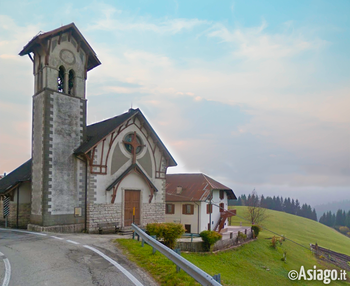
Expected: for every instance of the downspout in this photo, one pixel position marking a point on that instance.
(86, 190)
(198, 218)
(211, 209)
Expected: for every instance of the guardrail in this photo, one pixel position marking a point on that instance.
(198, 274)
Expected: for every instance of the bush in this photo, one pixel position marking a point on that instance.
(241, 236)
(168, 232)
(274, 242)
(344, 229)
(209, 238)
(256, 229)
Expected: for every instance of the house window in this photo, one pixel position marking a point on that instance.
(170, 209)
(60, 79)
(222, 194)
(188, 209)
(222, 207)
(209, 208)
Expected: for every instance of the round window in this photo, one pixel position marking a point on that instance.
(130, 143)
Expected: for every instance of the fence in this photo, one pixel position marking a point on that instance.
(333, 257)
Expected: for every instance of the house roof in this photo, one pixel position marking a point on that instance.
(195, 187)
(96, 132)
(21, 174)
(34, 43)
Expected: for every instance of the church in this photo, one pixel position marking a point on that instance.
(80, 176)
(111, 173)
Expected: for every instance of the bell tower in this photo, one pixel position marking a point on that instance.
(61, 59)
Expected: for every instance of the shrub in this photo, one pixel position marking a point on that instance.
(274, 241)
(344, 229)
(209, 238)
(241, 236)
(256, 229)
(168, 232)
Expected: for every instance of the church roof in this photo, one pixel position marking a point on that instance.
(34, 43)
(195, 187)
(21, 174)
(96, 132)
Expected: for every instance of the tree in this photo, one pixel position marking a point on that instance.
(256, 213)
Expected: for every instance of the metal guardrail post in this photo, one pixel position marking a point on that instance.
(198, 274)
(217, 277)
(178, 251)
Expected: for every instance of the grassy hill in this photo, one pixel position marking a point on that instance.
(255, 263)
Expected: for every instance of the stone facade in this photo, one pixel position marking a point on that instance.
(103, 213)
(153, 213)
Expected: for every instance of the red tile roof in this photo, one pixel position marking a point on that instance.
(195, 187)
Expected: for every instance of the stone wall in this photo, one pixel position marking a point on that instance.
(102, 213)
(226, 242)
(154, 212)
(23, 215)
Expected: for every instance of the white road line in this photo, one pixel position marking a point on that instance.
(1, 254)
(121, 268)
(24, 231)
(60, 238)
(71, 241)
(7, 272)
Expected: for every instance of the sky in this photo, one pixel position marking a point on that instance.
(255, 94)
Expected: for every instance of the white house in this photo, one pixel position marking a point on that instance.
(197, 201)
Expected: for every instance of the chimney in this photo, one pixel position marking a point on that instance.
(178, 190)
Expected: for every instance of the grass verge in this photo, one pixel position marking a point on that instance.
(255, 263)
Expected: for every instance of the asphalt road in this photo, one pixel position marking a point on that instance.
(65, 259)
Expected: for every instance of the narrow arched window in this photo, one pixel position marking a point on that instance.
(39, 78)
(71, 79)
(60, 79)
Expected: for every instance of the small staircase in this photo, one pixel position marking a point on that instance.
(223, 216)
(127, 230)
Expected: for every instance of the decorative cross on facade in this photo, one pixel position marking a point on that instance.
(134, 145)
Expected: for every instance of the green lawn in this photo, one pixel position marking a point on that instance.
(255, 263)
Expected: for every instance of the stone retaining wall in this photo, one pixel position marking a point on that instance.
(226, 242)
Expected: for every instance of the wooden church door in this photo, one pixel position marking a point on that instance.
(132, 200)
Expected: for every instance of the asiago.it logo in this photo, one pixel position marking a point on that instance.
(324, 275)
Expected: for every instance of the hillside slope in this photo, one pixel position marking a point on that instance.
(257, 263)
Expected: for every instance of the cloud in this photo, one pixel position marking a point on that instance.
(123, 22)
(256, 44)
